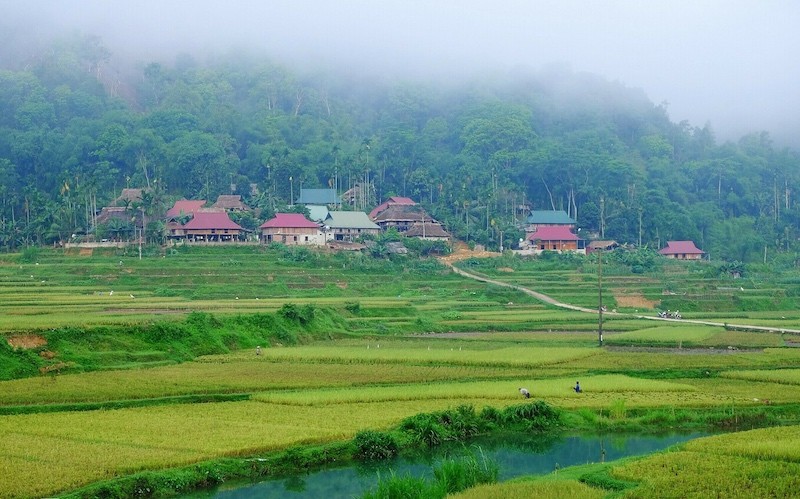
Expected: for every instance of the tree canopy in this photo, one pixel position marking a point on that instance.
(74, 131)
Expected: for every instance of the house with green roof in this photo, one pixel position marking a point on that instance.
(548, 218)
(349, 225)
(324, 197)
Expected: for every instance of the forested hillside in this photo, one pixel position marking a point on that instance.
(77, 125)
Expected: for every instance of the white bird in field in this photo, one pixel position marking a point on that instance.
(111, 293)
(133, 296)
(237, 297)
(525, 393)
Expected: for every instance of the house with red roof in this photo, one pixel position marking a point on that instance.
(292, 229)
(682, 250)
(181, 212)
(212, 227)
(185, 207)
(553, 238)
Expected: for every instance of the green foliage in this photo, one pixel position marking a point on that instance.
(374, 445)
(301, 314)
(537, 416)
(603, 479)
(17, 362)
(455, 475)
(29, 255)
(431, 430)
(640, 260)
(405, 487)
(450, 476)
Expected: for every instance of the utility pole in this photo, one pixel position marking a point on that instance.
(600, 296)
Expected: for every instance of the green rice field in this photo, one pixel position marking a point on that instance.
(163, 373)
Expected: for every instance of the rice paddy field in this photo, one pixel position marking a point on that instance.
(413, 338)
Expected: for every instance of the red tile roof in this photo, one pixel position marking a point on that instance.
(553, 233)
(389, 202)
(185, 206)
(211, 220)
(680, 248)
(293, 220)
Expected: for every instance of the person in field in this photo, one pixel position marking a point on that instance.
(525, 393)
(577, 387)
(258, 350)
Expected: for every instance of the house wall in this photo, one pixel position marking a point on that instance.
(556, 245)
(685, 256)
(212, 235)
(339, 234)
(293, 236)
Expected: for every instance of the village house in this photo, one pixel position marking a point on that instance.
(182, 211)
(230, 202)
(552, 238)
(602, 246)
(349, 226)
(212, 227)
(401, 217)
(682, 250)
(319, 197)
(392, 201)
(121, 213)
(548, 218)
(428, 230)
(292, 229)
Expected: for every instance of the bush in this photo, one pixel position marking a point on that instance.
(535, 416)
(375, 446)
(302, 315)
(29, 255)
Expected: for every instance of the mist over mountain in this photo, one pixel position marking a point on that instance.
(727, 64)
(269, 100)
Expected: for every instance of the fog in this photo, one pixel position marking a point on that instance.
(729, 63)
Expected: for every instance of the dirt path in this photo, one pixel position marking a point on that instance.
(552, 301)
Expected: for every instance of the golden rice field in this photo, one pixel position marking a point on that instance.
(781, 376)
(757, 463)
(315, 394)
(243, 375)
(668, 334)
(516, 356)
(480, 391)
(518, 489)
(328, 391)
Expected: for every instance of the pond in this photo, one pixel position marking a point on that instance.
(515, 454)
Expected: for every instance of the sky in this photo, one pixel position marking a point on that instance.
(732, 63)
